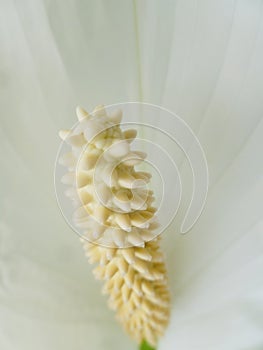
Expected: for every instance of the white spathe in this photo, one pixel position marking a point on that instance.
(200, 59)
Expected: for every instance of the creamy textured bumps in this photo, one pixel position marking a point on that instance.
(116, 218)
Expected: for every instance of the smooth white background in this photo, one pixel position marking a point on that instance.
(200, 59)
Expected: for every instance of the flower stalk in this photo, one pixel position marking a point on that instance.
(145, 346)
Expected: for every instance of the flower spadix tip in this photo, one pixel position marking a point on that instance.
(81, 113)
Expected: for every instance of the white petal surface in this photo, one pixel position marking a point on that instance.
(200, 59)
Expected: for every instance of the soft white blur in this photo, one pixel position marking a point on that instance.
(200, 59)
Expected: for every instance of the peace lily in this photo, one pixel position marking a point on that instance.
(116, 211)
(201, 60)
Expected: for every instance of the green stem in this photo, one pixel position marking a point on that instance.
(145, 346)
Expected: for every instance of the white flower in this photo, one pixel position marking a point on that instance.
(202, 60)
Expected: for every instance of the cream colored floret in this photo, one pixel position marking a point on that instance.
(114, 210)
